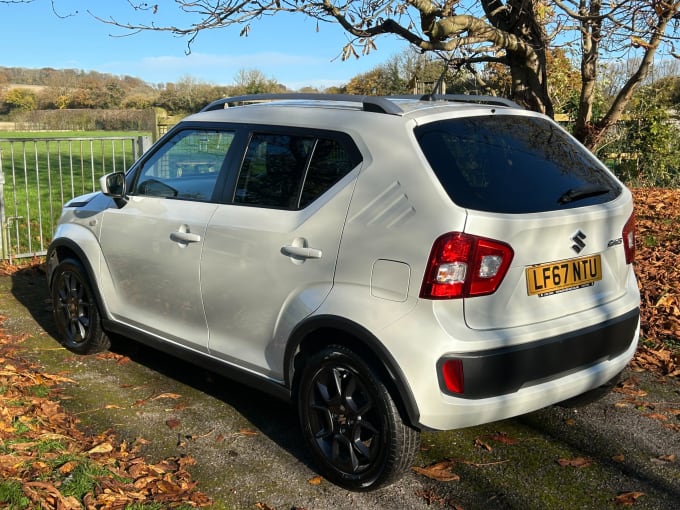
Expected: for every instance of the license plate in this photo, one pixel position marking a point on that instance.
(555, 277)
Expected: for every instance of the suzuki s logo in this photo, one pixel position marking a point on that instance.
(578, 238)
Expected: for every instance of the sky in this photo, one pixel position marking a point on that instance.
(287, 48)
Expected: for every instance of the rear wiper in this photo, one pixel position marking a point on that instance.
(584, 192)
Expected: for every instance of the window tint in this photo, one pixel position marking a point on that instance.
(330, 163)
(513, 164)
(290, 171)
(186, 166)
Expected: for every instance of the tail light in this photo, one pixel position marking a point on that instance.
(629, 239)
(462, 265)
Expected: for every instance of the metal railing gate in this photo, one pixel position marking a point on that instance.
(39, 175)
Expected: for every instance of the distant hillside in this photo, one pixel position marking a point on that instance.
(49, 77)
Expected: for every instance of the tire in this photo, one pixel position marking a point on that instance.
(75, 310)
(351, 423)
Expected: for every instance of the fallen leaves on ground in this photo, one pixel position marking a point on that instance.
(577, 462)
(628, 498)
(657, 216)
(441, 471)
(47, 458)
(664, 412)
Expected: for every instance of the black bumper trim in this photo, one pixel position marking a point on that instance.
(507, 369)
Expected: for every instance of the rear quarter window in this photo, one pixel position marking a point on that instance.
(513, 164)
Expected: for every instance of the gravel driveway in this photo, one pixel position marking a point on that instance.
(624, 449)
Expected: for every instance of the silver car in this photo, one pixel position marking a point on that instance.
(389, 264)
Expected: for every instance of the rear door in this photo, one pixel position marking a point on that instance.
(526, 182)
(269, 257)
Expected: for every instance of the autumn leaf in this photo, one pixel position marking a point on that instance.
(483, 445)
(67, 467)
(667, 458)
(166, 395)
(578, 462)
(628, 498)
(316, 480)
(172, 423)
(440, 471)
(656, 416)
(504, 438)
(100, 448)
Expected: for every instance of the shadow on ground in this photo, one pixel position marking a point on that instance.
(519, 469)
(274, 418)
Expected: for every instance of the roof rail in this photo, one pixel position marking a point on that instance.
(378, 104)
(464, 98)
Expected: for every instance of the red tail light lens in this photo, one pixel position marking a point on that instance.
(462, 265)
(629, 239)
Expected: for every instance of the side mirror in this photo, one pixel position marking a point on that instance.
(113, 185)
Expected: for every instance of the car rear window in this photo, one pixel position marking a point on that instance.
(513, 164)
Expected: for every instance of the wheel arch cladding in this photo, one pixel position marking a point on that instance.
(319, 332)
(63, 249)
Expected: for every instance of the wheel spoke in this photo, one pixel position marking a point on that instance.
(342, 417)
(343, 454)
(72, 307)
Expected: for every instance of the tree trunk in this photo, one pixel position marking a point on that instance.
(527, 70)
(594, 135)
(590, 40)
(529, 84)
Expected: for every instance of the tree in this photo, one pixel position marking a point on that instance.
(381, 81)
(253, 81)
(20, 99)
(643, 25)
(646, 145)
(411, 72)
(516, 34)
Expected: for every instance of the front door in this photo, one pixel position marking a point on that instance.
(152, 245)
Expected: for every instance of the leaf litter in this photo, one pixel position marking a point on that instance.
(43, 449)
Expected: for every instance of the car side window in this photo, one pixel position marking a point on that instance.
(330, 162)
(186, 166)
(290, 171)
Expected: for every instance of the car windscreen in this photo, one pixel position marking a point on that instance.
(513, 164)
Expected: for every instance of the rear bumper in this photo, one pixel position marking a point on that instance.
(506, 370)
(450, 412)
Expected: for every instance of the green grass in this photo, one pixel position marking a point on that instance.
(12, 495)
(42, 171)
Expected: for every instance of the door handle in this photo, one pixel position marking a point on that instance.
(185, 237)
(301, 252)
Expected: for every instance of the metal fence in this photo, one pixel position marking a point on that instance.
(39, 175)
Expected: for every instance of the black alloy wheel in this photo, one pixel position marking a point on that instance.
(351, 423)
(75, 310)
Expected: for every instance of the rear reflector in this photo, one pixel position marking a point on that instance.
(452, 375)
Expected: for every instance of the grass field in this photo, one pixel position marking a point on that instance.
(43, 170)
